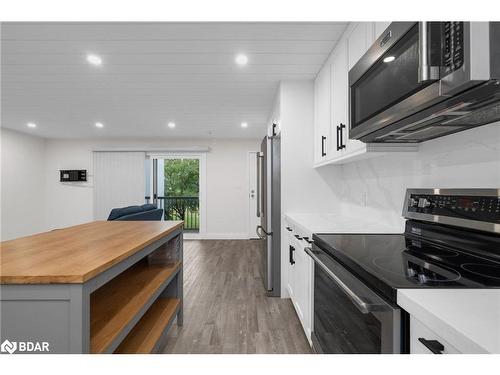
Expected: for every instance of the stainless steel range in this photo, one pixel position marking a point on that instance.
(451, 240)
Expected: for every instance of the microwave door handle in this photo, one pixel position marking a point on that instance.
(426, 72)
(362, 306)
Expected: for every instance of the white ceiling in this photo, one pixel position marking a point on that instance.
(153, 73)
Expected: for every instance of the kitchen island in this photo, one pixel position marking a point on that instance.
(99, 287)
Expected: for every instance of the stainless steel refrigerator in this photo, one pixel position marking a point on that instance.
(269, 211)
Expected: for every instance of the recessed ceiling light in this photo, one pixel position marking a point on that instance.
(31, 125)
(99, 125)
(389, 59)
(94, 59)
(241, 59)
(171, 125)
(244, 125)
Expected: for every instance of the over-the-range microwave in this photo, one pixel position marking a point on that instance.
(423, 80)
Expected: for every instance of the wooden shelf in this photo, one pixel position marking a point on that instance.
(146, 334)
(115, 306)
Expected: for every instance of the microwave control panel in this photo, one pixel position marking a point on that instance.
(480, 208)
(453, 46)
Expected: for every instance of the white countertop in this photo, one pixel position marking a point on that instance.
(467, 318)
(334, 223)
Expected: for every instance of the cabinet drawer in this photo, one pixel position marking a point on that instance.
(419, 330)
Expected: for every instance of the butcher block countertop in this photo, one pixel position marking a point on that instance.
(76, 254)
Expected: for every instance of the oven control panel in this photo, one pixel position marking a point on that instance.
(463, 206)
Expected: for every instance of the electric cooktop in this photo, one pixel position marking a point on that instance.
(389, 262)
(451, 240)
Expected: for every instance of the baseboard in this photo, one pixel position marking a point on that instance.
(216, 236)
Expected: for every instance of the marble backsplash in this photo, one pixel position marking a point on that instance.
(376, 187)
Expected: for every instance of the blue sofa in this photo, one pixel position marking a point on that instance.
(146, 212)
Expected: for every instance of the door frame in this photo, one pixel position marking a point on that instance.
(202, 157)
(250, 159)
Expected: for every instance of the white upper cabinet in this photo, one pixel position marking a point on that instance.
(359, 40)
(340, 93)
(322, 116)
(340, 104)
(379, 28)
(331, 100)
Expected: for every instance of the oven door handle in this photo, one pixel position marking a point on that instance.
(362, 305)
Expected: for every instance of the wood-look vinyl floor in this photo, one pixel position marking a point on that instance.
(225, 306)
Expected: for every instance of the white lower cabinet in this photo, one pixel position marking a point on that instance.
(423, 340)
(290, 245)
(300, 280)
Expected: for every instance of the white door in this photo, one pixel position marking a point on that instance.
(253, 220)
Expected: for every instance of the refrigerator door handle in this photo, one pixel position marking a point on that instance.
(262, 236)
(259, 183)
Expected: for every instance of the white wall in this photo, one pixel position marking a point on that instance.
(376, 187)
(303, 189)
(227, 181)
(22, 184)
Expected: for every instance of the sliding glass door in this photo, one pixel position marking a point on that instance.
(176, 184)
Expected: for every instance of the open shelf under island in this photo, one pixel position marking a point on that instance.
(100, 287)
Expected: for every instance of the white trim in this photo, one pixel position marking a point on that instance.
(152, 150)
(216, 236)
(175, 155)
(251, 232)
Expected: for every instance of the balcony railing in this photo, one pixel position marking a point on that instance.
(181, 208)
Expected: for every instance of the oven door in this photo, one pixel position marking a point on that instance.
(349, 318)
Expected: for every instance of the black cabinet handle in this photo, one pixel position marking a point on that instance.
(308, 240)
(289, 229)
(323, 139)
(341, 127)
(298, 237)
(291, 250)
(274, 129)
(433, 345)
